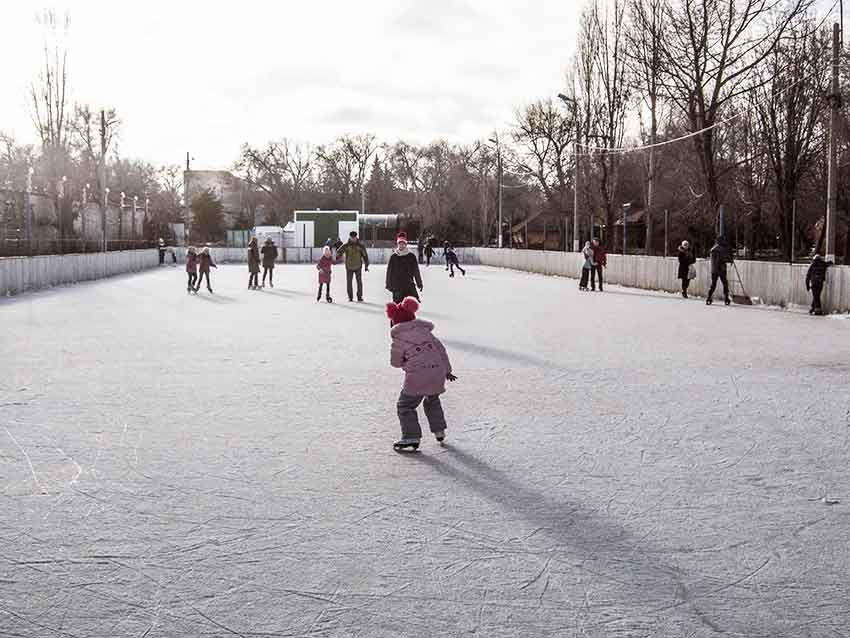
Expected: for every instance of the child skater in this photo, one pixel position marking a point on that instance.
(205, 260)
(253, 265)
(192, 268)
(426, 368)
(324, 266)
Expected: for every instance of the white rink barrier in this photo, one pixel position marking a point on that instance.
(770, 283)
(20, 274)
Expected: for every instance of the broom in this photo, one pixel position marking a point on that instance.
(744, 298)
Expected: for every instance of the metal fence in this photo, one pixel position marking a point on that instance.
(23, 248)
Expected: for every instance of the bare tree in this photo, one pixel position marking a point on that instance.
(344, 164)
(543, 137)
(49, 93)
(645, 41)
(789, 104)
(283, 170)
(604, 95)
(711, 55)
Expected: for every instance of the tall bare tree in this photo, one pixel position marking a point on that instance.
(283, 170)
(645, 37)
(711, 56)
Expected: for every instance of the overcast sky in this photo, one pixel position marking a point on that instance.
(199, 77)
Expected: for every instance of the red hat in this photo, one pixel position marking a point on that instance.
(402, 236)
(404, 311)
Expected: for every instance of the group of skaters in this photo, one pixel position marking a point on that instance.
(595, 259)
(720, 256)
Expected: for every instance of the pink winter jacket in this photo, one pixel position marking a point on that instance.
(423, 358)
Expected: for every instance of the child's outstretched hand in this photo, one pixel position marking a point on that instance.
(451, 377)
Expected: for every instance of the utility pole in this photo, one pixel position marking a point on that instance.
(575, 196)
(499, 161)
(28, 206)
(666, 225)
(832, 179)
(103, 187)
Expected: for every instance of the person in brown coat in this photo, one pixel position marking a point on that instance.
(205, 261)
(253, 265)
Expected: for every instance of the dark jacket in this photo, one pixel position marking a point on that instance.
(721, 255)
(403, 273)
(429, 249)
(816, 274)
(253, 258)
(451, 256)
(686, 258)
(355, 255)
(269, 255)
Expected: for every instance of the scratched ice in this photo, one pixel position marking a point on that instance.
(624, 464)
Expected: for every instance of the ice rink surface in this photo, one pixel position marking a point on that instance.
(617, 464)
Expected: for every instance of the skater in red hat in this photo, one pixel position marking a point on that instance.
(403, 277)
(426, 367)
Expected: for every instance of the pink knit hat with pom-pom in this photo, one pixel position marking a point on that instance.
(404, 311)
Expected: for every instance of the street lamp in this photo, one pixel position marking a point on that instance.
(499, 169)
(572, 101)
(61, 194)
(121, 218)
(103, 220)
(133, 223)
(28, 204)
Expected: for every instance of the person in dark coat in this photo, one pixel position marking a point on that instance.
(253, 265)
(600, 261)
(269, 257)
(686, 260)
(447, 246)
(420, 249)
(429, 252)
(453, 262)
(815, 279)
(721, 256)
(161, 247)
(205, 262)
(403, 277)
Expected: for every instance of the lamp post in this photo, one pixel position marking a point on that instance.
(83, 215)
(61, 201)
(28, 206)
(121, 218)
(499, 170)
(147, 201)
(103, 220)
(133, 222)
(572, 101)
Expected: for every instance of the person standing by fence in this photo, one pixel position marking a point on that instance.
(356, 259)
(687, 271)
(253, 265)
(721, 256)
(600, 261)
(269, 257)
(587, 266)
(815, 279)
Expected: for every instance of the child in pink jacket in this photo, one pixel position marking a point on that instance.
(325, 265)
(426, 368)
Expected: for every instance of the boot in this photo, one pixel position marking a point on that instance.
(709, 301)
(727, 301)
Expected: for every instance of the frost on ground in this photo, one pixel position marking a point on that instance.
(618, 464)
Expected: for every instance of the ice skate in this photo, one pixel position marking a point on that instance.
(727, 301)
(330, 300)
(406, 445)
(709, 301)
(440, 436)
